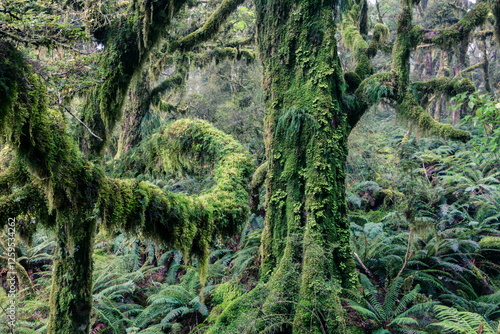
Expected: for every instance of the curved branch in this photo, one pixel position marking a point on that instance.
(409, 110)
(209, 29)
(370, 91)
(176, 219)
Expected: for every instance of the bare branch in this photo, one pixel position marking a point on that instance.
(79, 120)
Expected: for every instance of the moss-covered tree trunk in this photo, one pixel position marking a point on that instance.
(77, 191)
(306, 256)
(71, 293)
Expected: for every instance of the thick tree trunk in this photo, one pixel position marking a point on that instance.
(71, 294)
(306, 256)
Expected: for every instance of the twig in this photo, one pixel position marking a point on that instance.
(363, 265)
(79, 120)
(407, 255)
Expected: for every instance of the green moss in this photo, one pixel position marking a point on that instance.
(176, 219)
(209, 29)
(238, 315)
(380, 35)
(412, 112)
(352, 80)
(460, 31)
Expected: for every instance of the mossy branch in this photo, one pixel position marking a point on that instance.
(168, 84)
(222, 53)
(380, 35)
(209, 29)
(448, 37)
(258, 179)
(495, 9)
(176, 219)
(246, 41)
(410, 111)
(469, 69)
(449, 87)
(259, 176)
(167, 107)
(370, 91)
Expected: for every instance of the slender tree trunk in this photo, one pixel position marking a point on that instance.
(306, 256)
(486, 67)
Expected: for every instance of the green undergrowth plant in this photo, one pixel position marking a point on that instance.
(399, 308)
(454, 321)
(486, 118)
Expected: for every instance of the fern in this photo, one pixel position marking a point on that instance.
(454, 321)
(292, 122)
(394, 311)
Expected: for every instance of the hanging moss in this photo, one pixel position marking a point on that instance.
(128, 42)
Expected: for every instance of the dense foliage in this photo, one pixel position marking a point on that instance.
(129, 134)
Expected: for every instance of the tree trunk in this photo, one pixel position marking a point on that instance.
(306, 256)
(71, 293)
